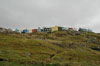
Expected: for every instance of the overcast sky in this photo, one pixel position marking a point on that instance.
(34, 13)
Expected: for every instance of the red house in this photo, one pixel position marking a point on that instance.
(34, 30)
(70, 28)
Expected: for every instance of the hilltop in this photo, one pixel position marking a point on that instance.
(64, 48)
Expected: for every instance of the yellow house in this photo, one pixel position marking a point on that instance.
(56, 28)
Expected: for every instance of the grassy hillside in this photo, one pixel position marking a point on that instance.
(66, 48)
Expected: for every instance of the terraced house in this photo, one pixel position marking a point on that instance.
(52, 29)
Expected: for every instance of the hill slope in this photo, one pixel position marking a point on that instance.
(69, 48)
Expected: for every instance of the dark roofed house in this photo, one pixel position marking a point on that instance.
(46, 29)
(83, 29)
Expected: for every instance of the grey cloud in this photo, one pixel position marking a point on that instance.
(34, 13)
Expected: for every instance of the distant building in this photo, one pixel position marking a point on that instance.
(24, 31)
(2, 30)
(39, 29)
(64, 28)
(83, 29)
(70, 28)
(29, 30)
(34, 30)
(17, 30)
(9, 30)
(56, 28)
(46, 29)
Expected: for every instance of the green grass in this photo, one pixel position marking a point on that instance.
(61, 48)
(3, 63)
